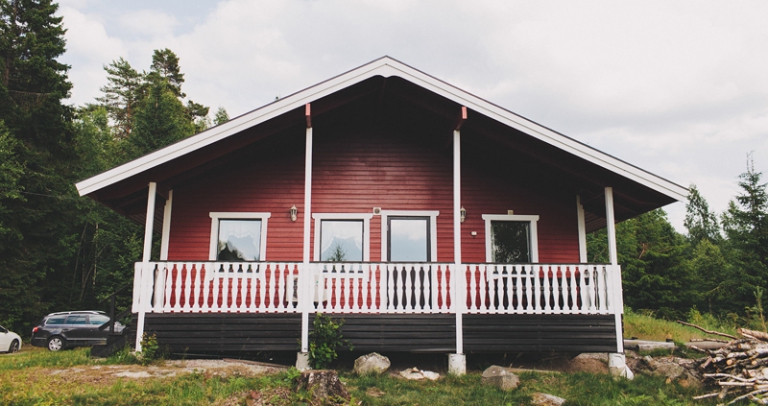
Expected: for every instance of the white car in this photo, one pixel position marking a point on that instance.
(9, 341)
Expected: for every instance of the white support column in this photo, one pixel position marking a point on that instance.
(147, 255)
(618, 301)
(305, 276)
(582, 230)
(457, 363)
(166, 227)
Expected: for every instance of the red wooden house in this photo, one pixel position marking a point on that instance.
(431, 219)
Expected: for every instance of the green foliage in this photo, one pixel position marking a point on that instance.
(150, 350)
(324, 339)
(650, 253)
(699, 220)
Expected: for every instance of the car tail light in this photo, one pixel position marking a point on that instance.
(35, 330)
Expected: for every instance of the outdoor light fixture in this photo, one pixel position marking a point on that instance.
(294, 212)
(463, 213)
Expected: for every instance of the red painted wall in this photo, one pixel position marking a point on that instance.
(354, 172)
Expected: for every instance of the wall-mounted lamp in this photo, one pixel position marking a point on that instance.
(294, 212)
(463, 214)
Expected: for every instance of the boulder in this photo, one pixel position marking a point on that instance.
(373, 363)
(323, 384)
(500, 377)
(417, 374)
(545, 399)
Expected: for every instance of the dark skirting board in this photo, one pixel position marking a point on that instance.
(219, 333)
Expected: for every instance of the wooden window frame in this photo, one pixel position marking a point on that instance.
(534, 237)
(216, 216)
(432, 214)
(365, 217)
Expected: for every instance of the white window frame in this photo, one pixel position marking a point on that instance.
(365, 217)
(432, 214)
(534, 237)
(223, 215)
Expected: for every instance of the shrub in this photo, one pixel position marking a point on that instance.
(324, 340)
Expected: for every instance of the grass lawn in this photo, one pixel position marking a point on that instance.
(38, 377)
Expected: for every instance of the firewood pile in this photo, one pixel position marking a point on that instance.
(739, 370)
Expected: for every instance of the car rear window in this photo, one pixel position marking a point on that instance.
(76, 319)
(99, 319)
(56, 320)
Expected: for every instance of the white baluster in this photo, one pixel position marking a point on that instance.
(529, 282)
(573, 292)
(601, 288)
(519, 277)
(357, 286)
(389, 301)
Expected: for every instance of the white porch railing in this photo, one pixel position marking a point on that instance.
(383, 288)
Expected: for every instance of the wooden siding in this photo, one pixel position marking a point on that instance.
(259, 183)
(401, 333)
(539, 333)
(214, 333)
(234, 333)
(353, 171)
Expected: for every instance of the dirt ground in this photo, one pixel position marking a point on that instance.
(107, 374)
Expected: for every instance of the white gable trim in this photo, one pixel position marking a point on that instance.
(385, 67)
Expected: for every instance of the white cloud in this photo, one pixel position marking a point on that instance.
(678, 88)
(148, 23)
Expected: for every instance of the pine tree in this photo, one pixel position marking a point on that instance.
(700, 222)
(121, 95)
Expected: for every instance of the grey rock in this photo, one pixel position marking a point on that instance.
(373, 363)
(500, 377)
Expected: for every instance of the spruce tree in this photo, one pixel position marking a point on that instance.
(38, 196)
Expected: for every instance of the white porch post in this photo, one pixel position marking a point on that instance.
(582, 230)
(305, 276)
(457, 363)
(161, 274)
(616, 362)
(143, 294)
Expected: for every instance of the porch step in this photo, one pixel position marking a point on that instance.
(115, 343)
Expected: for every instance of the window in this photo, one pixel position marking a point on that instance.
(511, 238)
(238, 236)
(409, 236)
(98, 319)
(79, 319)
(341, 237)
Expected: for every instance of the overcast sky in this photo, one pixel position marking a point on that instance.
(679, 88)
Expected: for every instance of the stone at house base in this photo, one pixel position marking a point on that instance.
(500, 377)
(302, 361)
(323, 384)
(373, 363)
(416, 374)
(457, 364)
(544, 399)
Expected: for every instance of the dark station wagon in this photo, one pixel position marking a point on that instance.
(72, 329)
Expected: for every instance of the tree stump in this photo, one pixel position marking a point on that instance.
(323, 384)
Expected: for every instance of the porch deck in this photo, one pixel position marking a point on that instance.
(257, 306)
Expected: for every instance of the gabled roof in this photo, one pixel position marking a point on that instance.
(385, 67)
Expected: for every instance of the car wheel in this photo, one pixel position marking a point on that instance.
(55, 343)
(14, 346)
